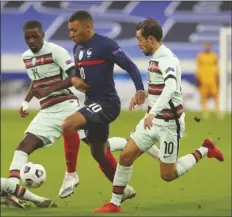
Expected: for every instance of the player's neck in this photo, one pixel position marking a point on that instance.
(92, 33)
(156, 47)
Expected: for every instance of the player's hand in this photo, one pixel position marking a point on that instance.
(148, 121)
(140, 97)
(23, 113)
(132, 104)
(41, 92)
(79, 84)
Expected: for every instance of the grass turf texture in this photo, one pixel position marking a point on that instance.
(204, 191)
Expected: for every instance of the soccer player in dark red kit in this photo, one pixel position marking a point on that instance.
(95, 56)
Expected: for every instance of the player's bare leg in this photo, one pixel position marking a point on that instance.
(172, 171)
(12, 191)
(73, 123)
(122, 176)
(119, 143)
(29, 144)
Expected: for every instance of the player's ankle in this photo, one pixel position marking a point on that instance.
(71, 173)
(197, 154)
(116, 199)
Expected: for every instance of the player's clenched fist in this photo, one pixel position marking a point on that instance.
(140, 97)
(79, 84)
(24, 110)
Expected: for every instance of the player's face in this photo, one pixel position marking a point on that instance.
(79, 31)
(207, 47)
(34, 39)
(144, 44)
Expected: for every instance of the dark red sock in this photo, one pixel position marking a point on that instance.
(109, 166)
(71, 148)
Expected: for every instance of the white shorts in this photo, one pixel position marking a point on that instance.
(46, 125)
(168, 134)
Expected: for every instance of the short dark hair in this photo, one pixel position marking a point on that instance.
(150, 27)
(81, 15)
(32, 24)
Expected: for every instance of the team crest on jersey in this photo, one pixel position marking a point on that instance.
(69, 62)
(81, 54)
(89, 52)
(33, 61)
(153, 67)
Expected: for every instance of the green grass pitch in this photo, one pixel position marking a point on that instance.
(203, 191)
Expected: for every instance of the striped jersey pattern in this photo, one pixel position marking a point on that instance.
(47, 68)
(162, 66)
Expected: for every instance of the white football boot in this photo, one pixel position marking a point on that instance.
(71, 181)
(128, 193)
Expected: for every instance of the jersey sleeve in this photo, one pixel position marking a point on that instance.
(115, 54)
(62, 58)
(168, 69)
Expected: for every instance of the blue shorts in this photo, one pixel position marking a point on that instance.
(99, 115)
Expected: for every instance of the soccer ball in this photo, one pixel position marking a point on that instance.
(33, 175)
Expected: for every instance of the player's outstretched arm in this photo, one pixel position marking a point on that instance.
(125, 63)
(78, 83)
(116, 55)
(63, 60)
(66, 83)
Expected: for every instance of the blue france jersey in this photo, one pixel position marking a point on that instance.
(95, 64)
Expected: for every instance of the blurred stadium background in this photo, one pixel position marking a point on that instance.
(186, 26)
(206, 190)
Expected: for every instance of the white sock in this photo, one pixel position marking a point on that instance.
(117, 143)
(19, 191)
(154, 151)
(19, 160)
(185, 163)
(203, 151)
(28, 195)
(121, 178)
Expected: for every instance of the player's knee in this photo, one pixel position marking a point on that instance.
(67, 127)
(126, 159)
(168, 177)
(24, 146)
(73, 123)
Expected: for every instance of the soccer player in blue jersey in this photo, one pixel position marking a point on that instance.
(95, 56)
